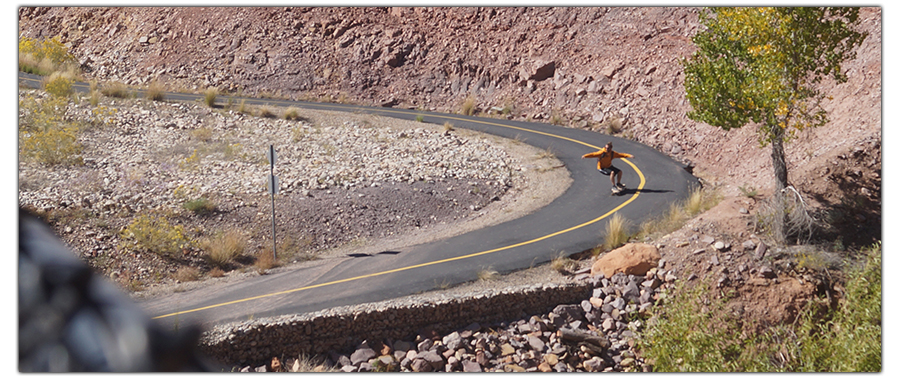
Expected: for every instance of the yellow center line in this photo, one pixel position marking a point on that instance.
(595, 220)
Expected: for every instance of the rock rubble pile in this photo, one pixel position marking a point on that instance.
(595, 334)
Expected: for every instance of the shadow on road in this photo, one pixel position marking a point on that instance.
(357, 255)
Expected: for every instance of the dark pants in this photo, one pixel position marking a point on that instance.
(610, 170)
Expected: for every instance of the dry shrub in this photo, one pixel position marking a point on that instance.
(265, 112)
(209, 96)
(487, 274)
(187, 274)
(155, 234)
(291, 113)
(562, 264)
(202, 134)
(155, 92)
(796, 221)
(43, 57)
(224, 247)
(616, 232)
(52, 146)
(468, 106)
(216, 272)
(116, 90)
(265, 260)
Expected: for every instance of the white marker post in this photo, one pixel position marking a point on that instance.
(272, 184)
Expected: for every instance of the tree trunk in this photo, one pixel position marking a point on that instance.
(781, 182)
(778, 163)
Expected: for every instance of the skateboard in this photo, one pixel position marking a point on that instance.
(618, 191)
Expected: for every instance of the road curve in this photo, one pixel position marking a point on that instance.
(572, 223)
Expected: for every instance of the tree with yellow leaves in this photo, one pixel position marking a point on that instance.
(763, 65)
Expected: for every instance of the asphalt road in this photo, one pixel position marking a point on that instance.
(572, 223)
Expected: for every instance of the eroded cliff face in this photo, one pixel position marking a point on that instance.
(584, 67)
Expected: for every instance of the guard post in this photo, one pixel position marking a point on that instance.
(272, 184)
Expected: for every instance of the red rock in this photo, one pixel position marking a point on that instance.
(631, 259)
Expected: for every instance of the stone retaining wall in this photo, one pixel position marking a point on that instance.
(342, 329)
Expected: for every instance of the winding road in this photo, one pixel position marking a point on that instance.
(572, 223)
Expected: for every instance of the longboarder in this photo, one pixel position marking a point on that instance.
(604, 164)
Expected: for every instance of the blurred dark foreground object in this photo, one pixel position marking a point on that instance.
(71, 320)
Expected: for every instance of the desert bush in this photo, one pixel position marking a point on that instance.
(44, 135)
(59, 84)
(487, 274)
(307, 364)
(224, 247)
(94, 98)
(749, 191)
(265, 111)
(617, 232)
(43, 57)
(265, 260)
(678, 213)
(102, 115)
(785, 216)
(202, 134)
(291, 113)
(187, 274)
(242, 106)
(191, 162)
(209, 96)
(469, 106)
(115, 90)
(155, 234)
(53, 146)
(693, 332)
(700, 200)
(216, 272)
(155, 91)
(848, 338)
(562, 264)
(556, 118)
(200, 205)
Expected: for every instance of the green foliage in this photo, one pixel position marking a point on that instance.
(693, 332)
(200, 205)
(762, 64)
(155, 234)
(850, 341)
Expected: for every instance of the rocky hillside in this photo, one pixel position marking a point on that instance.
(588, 67)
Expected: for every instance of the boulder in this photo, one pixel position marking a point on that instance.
(631, 259)
(362, 354)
